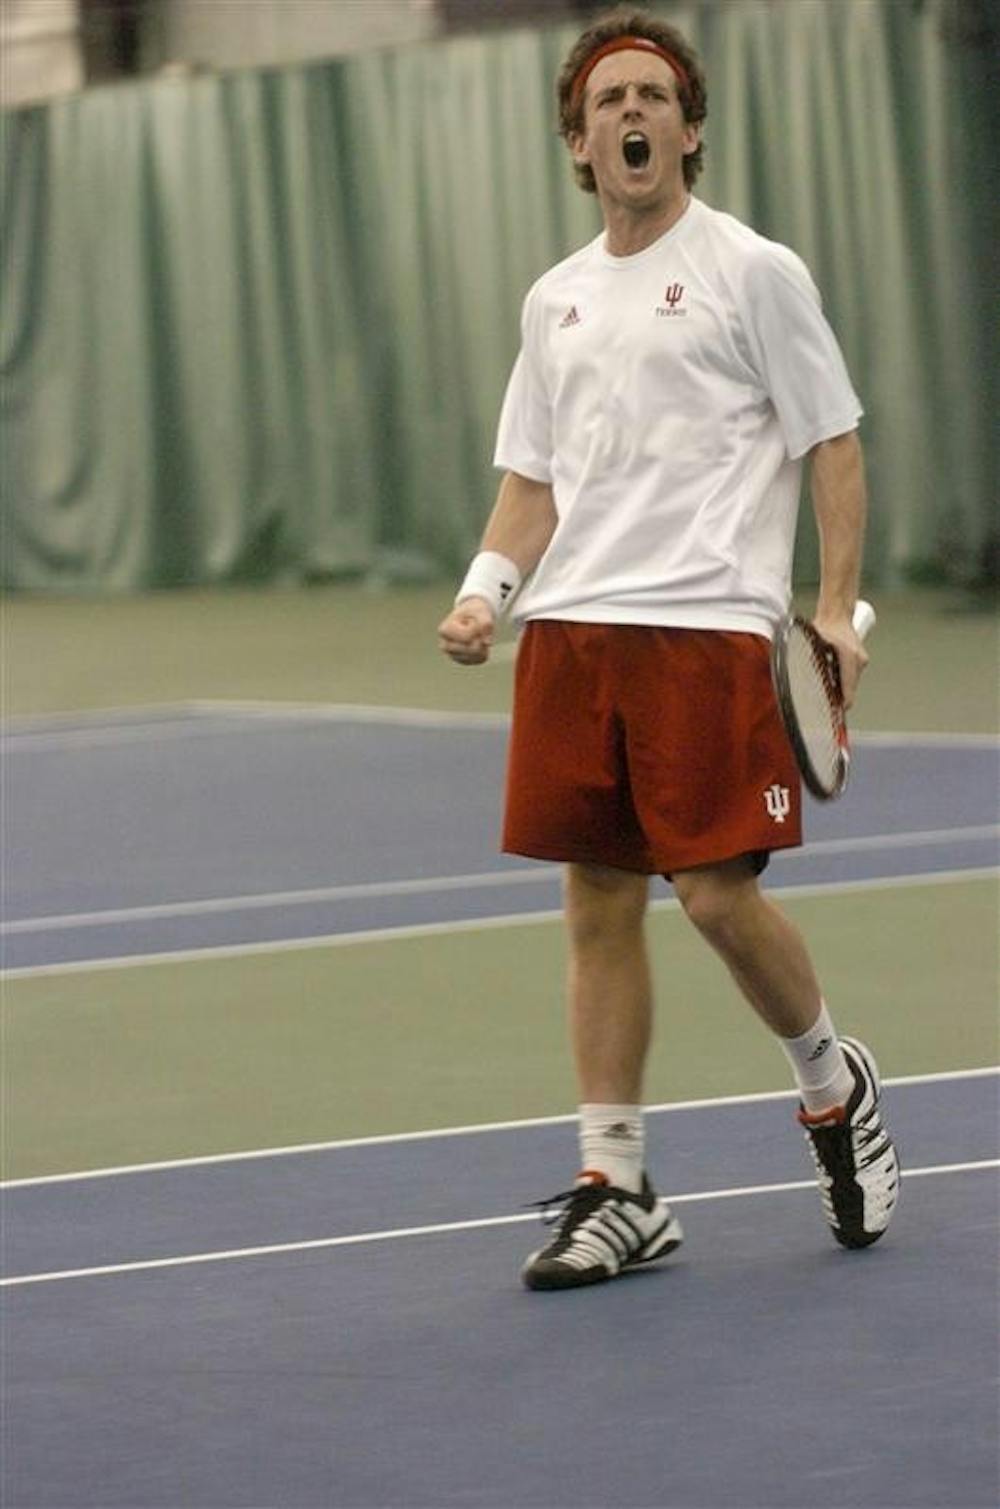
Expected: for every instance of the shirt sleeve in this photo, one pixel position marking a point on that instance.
(524, 433)
(795, 353)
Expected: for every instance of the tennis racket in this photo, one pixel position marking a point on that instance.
(806, 677)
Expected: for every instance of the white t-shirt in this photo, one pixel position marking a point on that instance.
(668, 397)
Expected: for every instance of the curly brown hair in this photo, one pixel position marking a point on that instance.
(627, 21)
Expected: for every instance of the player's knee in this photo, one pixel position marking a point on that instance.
(603, 906)
(711, 906)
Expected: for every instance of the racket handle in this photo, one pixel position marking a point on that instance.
(864, 618)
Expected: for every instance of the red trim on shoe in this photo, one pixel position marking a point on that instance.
(835, 1116)
(592, 1176)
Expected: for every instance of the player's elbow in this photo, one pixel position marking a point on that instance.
(843, 447)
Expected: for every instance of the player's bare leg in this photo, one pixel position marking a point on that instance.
(763, 950)
(612, 1220)
(610, 993)
(839, 1086)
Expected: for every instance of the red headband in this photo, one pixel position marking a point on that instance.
(622, 44)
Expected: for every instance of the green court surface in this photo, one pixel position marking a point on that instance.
(111, 1067)
(153, 1061)
(935, 655)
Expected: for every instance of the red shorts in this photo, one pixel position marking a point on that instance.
(647, 749)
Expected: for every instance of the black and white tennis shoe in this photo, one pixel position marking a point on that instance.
(602, 1231)
(857, 1167)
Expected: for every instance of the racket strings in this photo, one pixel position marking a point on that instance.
(815, 691)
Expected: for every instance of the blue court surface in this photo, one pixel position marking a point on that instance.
(213, 828)
(345, 1326)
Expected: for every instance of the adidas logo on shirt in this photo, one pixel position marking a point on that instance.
(571, 317)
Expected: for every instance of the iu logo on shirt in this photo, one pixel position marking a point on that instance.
(672, 302)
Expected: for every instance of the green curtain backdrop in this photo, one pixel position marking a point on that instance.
(259, 325)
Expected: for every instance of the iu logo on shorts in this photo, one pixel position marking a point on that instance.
(777, 800)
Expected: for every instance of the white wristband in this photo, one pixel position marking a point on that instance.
(493, 577)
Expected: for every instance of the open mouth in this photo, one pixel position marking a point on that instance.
(635, 149)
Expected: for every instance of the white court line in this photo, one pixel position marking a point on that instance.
(359, 1238)
(103, 724)
(427, 885)
(879, 739)
(384, 1139)
(70, 722)
(431, 885)
(355, 712)
(101, 737)
(416, 717)
(188, 719)
(466, 925)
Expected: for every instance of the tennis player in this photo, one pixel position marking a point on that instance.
(673, 378)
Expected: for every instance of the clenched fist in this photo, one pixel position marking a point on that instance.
(466, 635)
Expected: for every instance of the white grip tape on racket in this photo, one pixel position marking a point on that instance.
(493, 577)
(863, 620)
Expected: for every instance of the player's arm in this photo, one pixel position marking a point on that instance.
(839, 498)
(516, 537)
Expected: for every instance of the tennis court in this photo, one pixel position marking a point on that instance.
(285, 1066)
(243, 1336)
(285, 1069)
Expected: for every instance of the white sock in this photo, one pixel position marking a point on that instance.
(612, 1143)
(821, 1071)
